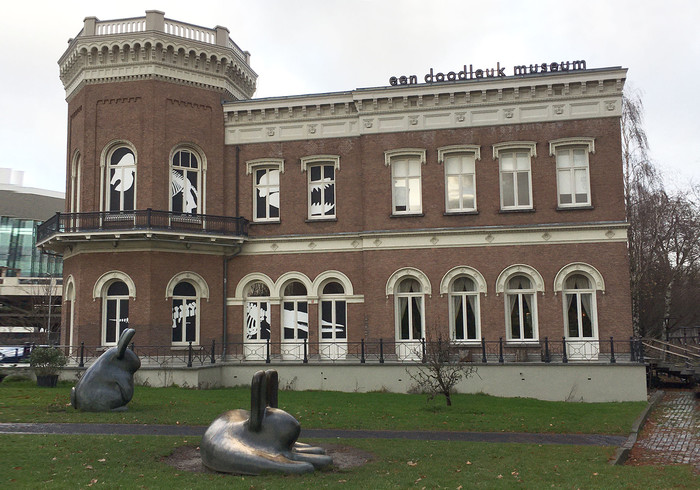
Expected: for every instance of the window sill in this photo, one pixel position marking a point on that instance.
(523, 343)
(407, 215)
(180, 347)
(460, 213)
(264, 223)
(508, 211)
(321, 220)
(467, 343)
(574, 208)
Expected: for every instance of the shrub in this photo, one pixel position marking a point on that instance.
(47, 360)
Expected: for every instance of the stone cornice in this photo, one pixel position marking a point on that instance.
(154, 54)
(500, 101)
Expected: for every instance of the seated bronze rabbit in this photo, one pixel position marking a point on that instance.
(262, 440)
(109, 383)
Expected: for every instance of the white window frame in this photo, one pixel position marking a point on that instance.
(107, 165)
(446, 152)
(578, 293)
(520, 293)
(197, 314)
(515, 148)
(118, 299)
(406, 155)
(201, 178)
(569, 145)
(476, 308)
(307, 163)
(75, 183)
(266, 164)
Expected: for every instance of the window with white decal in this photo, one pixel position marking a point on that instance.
(257, 311)
(295, 312)
(186, 187)
(333, 312)
(115, 316)
(321, 191)
(185, 317)
(121, 179)
(266, 201)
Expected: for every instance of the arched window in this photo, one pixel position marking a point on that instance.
(579, 307)
(465, 322)
(186, 182)
(115, 312)
(185, 318)
(257, 307)
(295, 312)
(521, 309)
(410, 316)
(75, 183)
(333, 312)
(121, 179)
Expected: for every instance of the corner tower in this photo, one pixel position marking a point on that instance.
(146, 230)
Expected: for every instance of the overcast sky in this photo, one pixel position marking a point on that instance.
(314, 46)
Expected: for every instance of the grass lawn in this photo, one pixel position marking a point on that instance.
(53, 461)
(25, 402)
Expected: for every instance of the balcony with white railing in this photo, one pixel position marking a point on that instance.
(155, 20)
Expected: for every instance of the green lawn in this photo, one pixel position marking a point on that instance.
(25, 402)
(136, 462)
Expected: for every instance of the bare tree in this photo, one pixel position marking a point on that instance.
(441, 370)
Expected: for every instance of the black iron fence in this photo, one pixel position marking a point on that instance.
(143, 219)
(378, 351)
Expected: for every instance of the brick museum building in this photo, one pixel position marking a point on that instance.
(475, 204)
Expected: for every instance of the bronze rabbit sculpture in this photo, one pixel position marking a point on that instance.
(262, 440)
(109, 383)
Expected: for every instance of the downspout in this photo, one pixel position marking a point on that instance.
(224, 332)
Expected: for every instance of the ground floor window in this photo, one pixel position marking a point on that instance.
(185, 313)
(116, 312)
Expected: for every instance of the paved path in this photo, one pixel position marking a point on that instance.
(671, 434)
(182, 430)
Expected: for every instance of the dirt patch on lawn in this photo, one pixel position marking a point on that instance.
(187, 458)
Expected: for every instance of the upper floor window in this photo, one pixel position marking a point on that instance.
(515, 173)
(573, 184)
(321, 172)
(460, 176)
(406, 180)
(186, 168)
(75, 183)
(266, 188)
(121, 179)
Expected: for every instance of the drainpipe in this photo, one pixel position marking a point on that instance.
(238, 162)
(224, 332)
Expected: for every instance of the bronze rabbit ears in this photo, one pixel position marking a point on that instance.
(263, 394)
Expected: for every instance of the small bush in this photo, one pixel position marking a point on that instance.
(47, 360)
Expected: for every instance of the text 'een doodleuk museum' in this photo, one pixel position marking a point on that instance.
(480, 205)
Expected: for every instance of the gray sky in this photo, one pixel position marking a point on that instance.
(314, 46)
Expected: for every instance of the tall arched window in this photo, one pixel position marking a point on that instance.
(257, 307)
(186, 182)
(75, 184)
(295, 318)
(185, 326)
(465, 322)
(121, 179)
(333, 343)
(521, 309)
(579, 305)
(410, 317)
(115, 312)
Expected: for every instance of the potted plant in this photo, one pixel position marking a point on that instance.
(47, 363)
